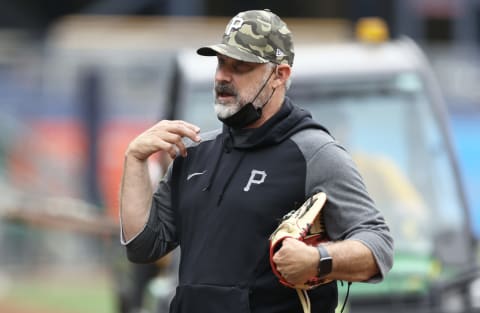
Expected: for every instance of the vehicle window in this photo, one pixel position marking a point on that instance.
(389, 128)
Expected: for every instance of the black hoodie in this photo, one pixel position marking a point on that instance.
(222, 202)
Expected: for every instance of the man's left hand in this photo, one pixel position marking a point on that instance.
(296, 261)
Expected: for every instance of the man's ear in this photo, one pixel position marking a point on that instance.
(282, 74)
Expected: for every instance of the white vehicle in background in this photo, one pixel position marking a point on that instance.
(380, 99)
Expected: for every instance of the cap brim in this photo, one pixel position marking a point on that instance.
(232, 52)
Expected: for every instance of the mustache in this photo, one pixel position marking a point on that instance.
(225, 88)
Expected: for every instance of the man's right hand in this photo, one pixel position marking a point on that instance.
(164, 136)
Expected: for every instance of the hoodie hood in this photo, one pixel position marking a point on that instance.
(289, 120)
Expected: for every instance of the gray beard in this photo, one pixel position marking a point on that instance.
(226, 110)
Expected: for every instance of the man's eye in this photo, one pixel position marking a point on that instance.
(242, 68)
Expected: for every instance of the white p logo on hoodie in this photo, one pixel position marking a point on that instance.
(256, 177)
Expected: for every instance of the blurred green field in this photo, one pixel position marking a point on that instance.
(90, 292)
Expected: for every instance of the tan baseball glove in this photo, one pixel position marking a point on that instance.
(304, 224)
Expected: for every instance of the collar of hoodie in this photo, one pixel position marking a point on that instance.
(287, 121)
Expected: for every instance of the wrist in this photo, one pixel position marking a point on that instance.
(313, 266)
(132, 154)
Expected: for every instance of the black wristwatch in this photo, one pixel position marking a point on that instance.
(325, 264)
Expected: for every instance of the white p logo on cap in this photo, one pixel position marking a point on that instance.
(235, 23)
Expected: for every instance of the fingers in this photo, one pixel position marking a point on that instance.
(194, 128)
(164, 136)
(289, 246)
(173, 144)
(294, 260)
(175, 132)
(184, 129)
(282, 258)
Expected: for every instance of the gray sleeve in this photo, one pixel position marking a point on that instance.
(159, 235)
(349, 212)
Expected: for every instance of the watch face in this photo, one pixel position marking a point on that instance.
(325, 266)
(325, 263)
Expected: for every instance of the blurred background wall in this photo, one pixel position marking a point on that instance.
(78, 80)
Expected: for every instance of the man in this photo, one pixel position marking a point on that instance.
(226, 190)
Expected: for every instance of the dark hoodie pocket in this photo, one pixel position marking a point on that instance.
(210, 299)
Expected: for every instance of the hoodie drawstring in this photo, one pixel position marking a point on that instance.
(214, 173)
(227, 146)
(230, 177)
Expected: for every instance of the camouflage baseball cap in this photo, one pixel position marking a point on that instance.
(257, 36)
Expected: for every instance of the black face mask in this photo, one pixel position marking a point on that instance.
(248, 114)
(244, 117)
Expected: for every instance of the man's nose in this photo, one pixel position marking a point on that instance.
(222, 74)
